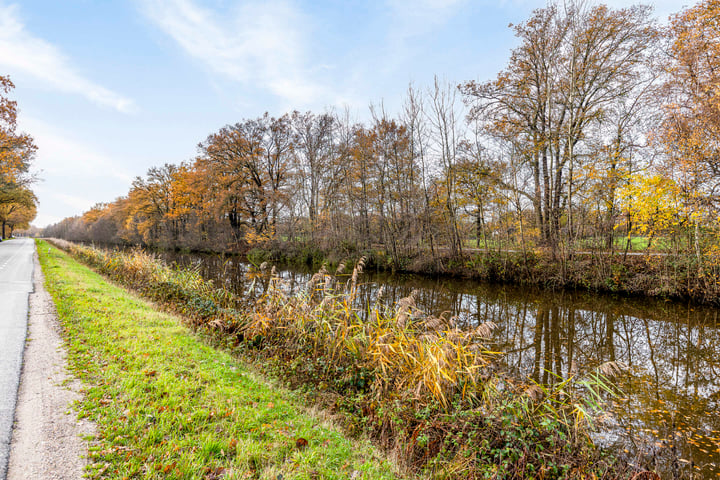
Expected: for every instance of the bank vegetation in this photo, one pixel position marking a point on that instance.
(432, 395)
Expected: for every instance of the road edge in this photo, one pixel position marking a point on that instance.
(46, 439)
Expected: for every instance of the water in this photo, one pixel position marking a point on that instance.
(669, 406)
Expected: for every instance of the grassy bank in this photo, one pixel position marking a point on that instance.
(429, 393)
(169, 406)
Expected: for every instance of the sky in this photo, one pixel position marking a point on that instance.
(109, 89)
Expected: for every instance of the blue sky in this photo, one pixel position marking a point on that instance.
(110, 88)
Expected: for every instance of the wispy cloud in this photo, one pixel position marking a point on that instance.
(414, 17)
(261, 44)
(61, 156)
(80, 204)
(22, 52)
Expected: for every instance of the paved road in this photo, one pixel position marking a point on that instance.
(16, 269)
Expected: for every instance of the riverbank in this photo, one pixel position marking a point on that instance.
(168, 405)
(646, 274)
(427, 392)
(652, 274)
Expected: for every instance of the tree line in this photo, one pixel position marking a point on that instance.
(603, 125)
(18, 203)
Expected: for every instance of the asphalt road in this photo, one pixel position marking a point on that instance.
(16, 270)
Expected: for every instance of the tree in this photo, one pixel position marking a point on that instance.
(21, 217)
(573, 64)
(445, 135)
(17, 151)
(277, 146)
(386, 185)
(153, 204)
(477, 178)
(690, 132)
(654, 205)
(360, 182)
(246, 169)
(615, 149)
(314, 152)
(17, 208)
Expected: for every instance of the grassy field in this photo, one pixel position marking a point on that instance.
(169, 406)
(636, 244)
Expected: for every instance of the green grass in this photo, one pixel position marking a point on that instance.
(639, 243)
(168, 406)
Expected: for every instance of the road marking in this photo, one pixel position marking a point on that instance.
(7, 260)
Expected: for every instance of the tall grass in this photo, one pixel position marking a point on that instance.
(426, 390)
(412, 356)
(181, 291)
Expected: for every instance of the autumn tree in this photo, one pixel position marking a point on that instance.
(277, 147)
(573, 64)
(398, 186)
(18, 206)
(445, 134)
(314, 153)
(415, 118)
(152, 203)
(246, 170)
(17, 151)
(359, 181)
(477, 177)
(385, 186)
(690, 132)
(617, 149)
(653, 205)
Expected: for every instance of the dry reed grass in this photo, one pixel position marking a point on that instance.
(422, 387)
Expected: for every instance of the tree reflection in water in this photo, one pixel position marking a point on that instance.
(670, 390)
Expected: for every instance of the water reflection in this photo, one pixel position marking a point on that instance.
(669, 408)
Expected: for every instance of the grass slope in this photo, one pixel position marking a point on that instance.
(168, 406)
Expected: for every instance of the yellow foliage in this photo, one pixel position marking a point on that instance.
(654, 204)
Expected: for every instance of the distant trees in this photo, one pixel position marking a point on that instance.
(602, 125)
(17, 150)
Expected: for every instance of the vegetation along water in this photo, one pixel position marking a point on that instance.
(550, 389)
(169, 406)
(667, 350)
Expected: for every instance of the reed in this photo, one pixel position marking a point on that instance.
(430, 392)
(427, 391)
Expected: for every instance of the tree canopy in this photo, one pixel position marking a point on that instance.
(17, 151)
